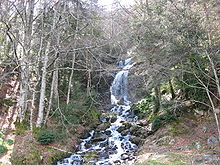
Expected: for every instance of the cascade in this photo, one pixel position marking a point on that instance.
(110, 146)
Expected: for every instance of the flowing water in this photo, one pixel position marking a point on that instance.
(109, 146)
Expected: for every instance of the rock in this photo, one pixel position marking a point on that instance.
(166, 140)
(198, 145)
(117, 162)
(120, 129)
(113, 119)
(124, 156)
(212, 142)
(127, 125)
(104, 155)
(108, 133)
(136, 140)
(142, 123)
(134, 130)
(125, 132)
(217, 149)
(85, 135)
(103, 126)
(98, 137)
(207, 157)
(181, 148)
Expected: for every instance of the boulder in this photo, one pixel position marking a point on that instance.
(166, 140)
(136, 140)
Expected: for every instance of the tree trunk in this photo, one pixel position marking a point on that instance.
(24, 60)
(172, 90)
(52, 91)
(157, 99)
(43, 88)
(70, 79)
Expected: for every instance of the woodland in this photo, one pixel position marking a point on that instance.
(58, 59)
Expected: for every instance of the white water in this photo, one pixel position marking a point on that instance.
(112, 149)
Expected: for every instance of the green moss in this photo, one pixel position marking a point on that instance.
(56, 156)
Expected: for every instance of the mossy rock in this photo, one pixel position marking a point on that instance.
(57, 155)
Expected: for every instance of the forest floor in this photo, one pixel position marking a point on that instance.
(189, 141)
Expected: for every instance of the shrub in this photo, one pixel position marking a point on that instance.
(10, 141)
(47, 137)
(3, 149)
(160, 120)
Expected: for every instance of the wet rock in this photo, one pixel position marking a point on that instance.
(142, 123)
(124, 156)
(127, 125)
(113, 119)
(104, 155)
(120, 129)
(104, 144)
(88, 145)
(98, 137)
(117, 162)
(108, 132)
(134, 130)
(85, 135)
(103, 126)
(125, 132)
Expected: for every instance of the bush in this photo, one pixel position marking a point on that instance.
(160, 120)
(144, 107)
(47, 137)
(3, 149)
(10, 141)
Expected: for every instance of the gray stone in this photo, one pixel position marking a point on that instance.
(136, 140)
(166, 140)
(212, 140)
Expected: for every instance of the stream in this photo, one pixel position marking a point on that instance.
(107, 146)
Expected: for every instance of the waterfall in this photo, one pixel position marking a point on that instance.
(111, 147)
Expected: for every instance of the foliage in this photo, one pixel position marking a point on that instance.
(3, 149)
(21, 127)
(160, 120)
(8, 101)
(144, 107)
(47, 137)
(9, 141)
